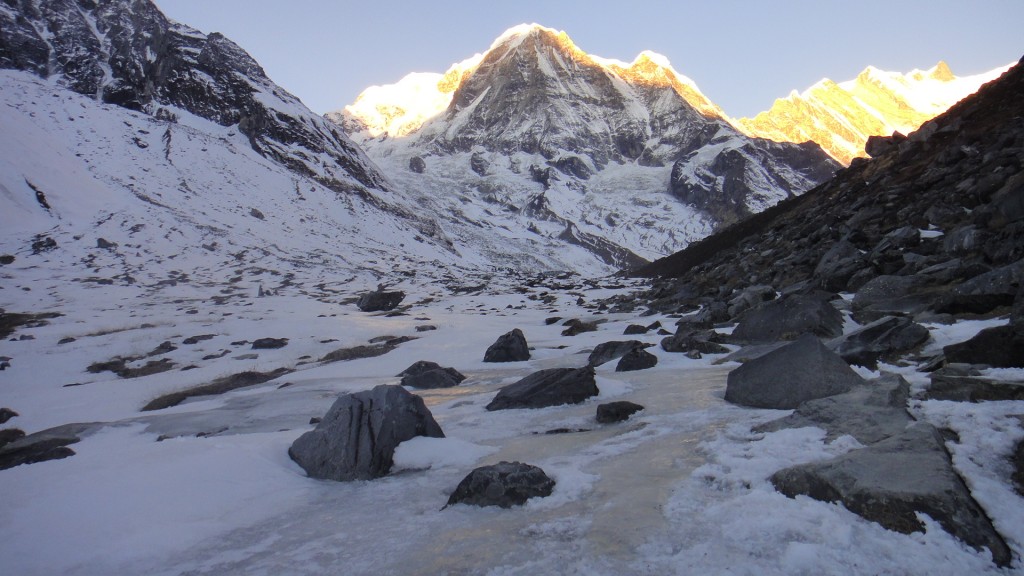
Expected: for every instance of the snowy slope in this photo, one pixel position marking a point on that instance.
(629, 159)
(841, 116)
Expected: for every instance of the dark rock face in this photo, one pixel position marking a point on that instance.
(269, 343)
(551, 387)
(788, 318)
(987, 291)
(616, 411)
(865, 482)
(838, 265)
(577, 326)
(636, 359)
(425, 374)
(635, 330)
(6, 414)
(870, 412)
(50, 444)
(505, 484)
(356, 439)
(882, 338)
(688, 340)
(509, 347)
(417, 164)
(999, 347)
(130, 55)
(783, 379)
(380, 300)
(608, 351)
(948, 385)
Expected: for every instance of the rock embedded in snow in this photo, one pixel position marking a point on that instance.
(884, 337)
(787, 318)
(380, 300)
(356, 439)
(6, 414)
(893, 481)
(687, 340)
(49, 444)
(505, 484)
(417, 164)
(784, 378)
(550, 387)
(636, 359)
(426, 374)
(608, 351)
(269, 343)
(891, 295)
(509, 347)
(616, 411)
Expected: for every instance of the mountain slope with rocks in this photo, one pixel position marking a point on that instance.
(840, 117)
(627, 159)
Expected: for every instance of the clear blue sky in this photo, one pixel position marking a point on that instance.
(742, 54)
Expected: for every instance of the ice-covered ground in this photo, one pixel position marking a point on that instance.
(680, 488)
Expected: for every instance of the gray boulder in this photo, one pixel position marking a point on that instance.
(838, 265)
(986, 292)
(687, 339)
(1000, 347)
(616, 411)
(787, 318)
(870, 413)
(608, 351)
(891, 296)
(551, 387)
(356, 439)
(783, 379)
(49, 444)
(636, 359)
(509, 347)
(892, 481)
(425, 374)
(883, 337)
(950, 384)
(380, 300)
(505, 484)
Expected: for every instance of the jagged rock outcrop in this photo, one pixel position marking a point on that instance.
(550, 387)
(509, 347)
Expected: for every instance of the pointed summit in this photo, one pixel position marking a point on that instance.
(942, 72)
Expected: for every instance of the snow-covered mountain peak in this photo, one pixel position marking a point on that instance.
(840, 116)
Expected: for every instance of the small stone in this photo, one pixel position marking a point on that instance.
(616, 411)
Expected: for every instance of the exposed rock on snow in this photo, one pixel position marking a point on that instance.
(550, 387)
(426, 374)
(892, 481)
(616, 411)
(787, 318)
(884, 337)
(800, 371)
(380, 300)
(51, 444)
(1000, 347)
(636, 359)
(269, 343)
(356, 439)
(509, 347)
(505, 484)
(608, 351)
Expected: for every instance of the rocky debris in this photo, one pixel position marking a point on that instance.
(894, 480)
(356, 439)
(636, 359)
(505, 484)
(509, 347)
(378, 347)
(608, 351)
(619, 411)
(786, 319)
(164, 347)
(197, 339)
(12, 321)
(870, 412)
(880, 145)
(838, 265)
(269, 343)
(8, 435)
(750, 298)
(50, 444)
(120, 367)
(218, 386)
(380, 300)
(800, 371)
(687, 340)
(66, 340)
(892, 295)
(635, 330)
(425, 374)
(985, 292)
(104, 244)
(576, 326)
(883, 338)
(479, 164)
(550, 387)
(6, 414)
(417, 164)
(999, 347)
(6, 259)
(426, 328)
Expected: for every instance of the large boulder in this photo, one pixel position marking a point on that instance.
(891, 482)
(380, 300)
(636, 359)
(800, 371)
(888, 295)
(838, 265)
(870, 413)
(787, 318)
(687, 339)
(608, 351)
(1000, 347)
(505, 484)
(882, 338)
(551, 387)
(509, 347)
(425, 374)
(356, 439)
(947, 384)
